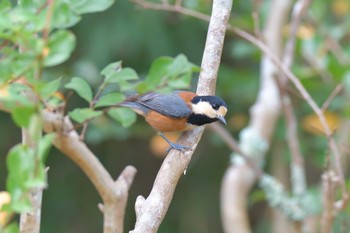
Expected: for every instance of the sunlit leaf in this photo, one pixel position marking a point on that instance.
(124, 74)
(11, 228)
(47, 89)
(181, 83)
(158, 71)
(111, 69)
(81, 115)
(109, 99)
(5, 5)
(179, 65)
(21, 165)
(89, 6)
(124, 116)
(31, 5)
(22, 115)
(64, 15)
(81, 87)
(61, 45)
(45, 145)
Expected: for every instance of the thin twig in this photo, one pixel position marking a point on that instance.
(337, 51)
(298, 12)
(172, 8)
(331, 97)
(328, 195)
(297, 167)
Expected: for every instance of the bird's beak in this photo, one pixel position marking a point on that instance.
(221, 118)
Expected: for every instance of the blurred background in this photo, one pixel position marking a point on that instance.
(137, 37)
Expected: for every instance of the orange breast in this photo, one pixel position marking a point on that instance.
(166, 124)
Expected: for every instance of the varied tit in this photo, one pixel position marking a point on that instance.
(179, 111)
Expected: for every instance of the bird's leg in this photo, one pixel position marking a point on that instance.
(174, 145)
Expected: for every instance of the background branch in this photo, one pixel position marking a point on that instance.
(239, 177)
(297, 166)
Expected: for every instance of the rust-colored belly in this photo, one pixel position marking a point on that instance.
(166, 124)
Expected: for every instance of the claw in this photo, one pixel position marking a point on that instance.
(174, 145)
(178, 147)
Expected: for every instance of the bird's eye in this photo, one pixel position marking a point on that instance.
(215, 106)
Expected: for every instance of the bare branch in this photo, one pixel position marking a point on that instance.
(113, 211)
(331, 97)
(297, 166)
(264, 114)
(30, 221)
(173, 8)
(299, 9)
(236, 182)
(213, 47)
(328, 191)
(151, 211)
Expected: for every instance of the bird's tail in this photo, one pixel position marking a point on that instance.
(135, 106)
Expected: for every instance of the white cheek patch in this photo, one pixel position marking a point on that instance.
(204, 108)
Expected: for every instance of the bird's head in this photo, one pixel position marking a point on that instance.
(211, 107)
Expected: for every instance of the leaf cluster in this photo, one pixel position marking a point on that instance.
(33, 36)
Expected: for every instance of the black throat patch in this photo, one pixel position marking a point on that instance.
(199, 119)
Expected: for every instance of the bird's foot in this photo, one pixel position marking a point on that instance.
(178, 147)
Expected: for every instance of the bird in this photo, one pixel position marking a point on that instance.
(177, 111)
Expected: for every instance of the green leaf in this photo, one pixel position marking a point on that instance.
(46, 89)
(22, 115)
(31, 5)
(61, 45)
(81, 87)
(125, 74)
(24, 173)
(35, 127)
(64, 15)
(45, 145)
(81, 115)
(109, 99)
(123, 115)
(115, 66)
(177, 72)
(89, 6)
(38, 178)
(179, 65)
(181, 83)
(5, 5)
(111, 69)
(158, 71)
(11, 228)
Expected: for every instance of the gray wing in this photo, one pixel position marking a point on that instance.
(170, 105)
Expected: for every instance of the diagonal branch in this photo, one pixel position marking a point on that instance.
(297, 168)
(254, 139)
(151, 211)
